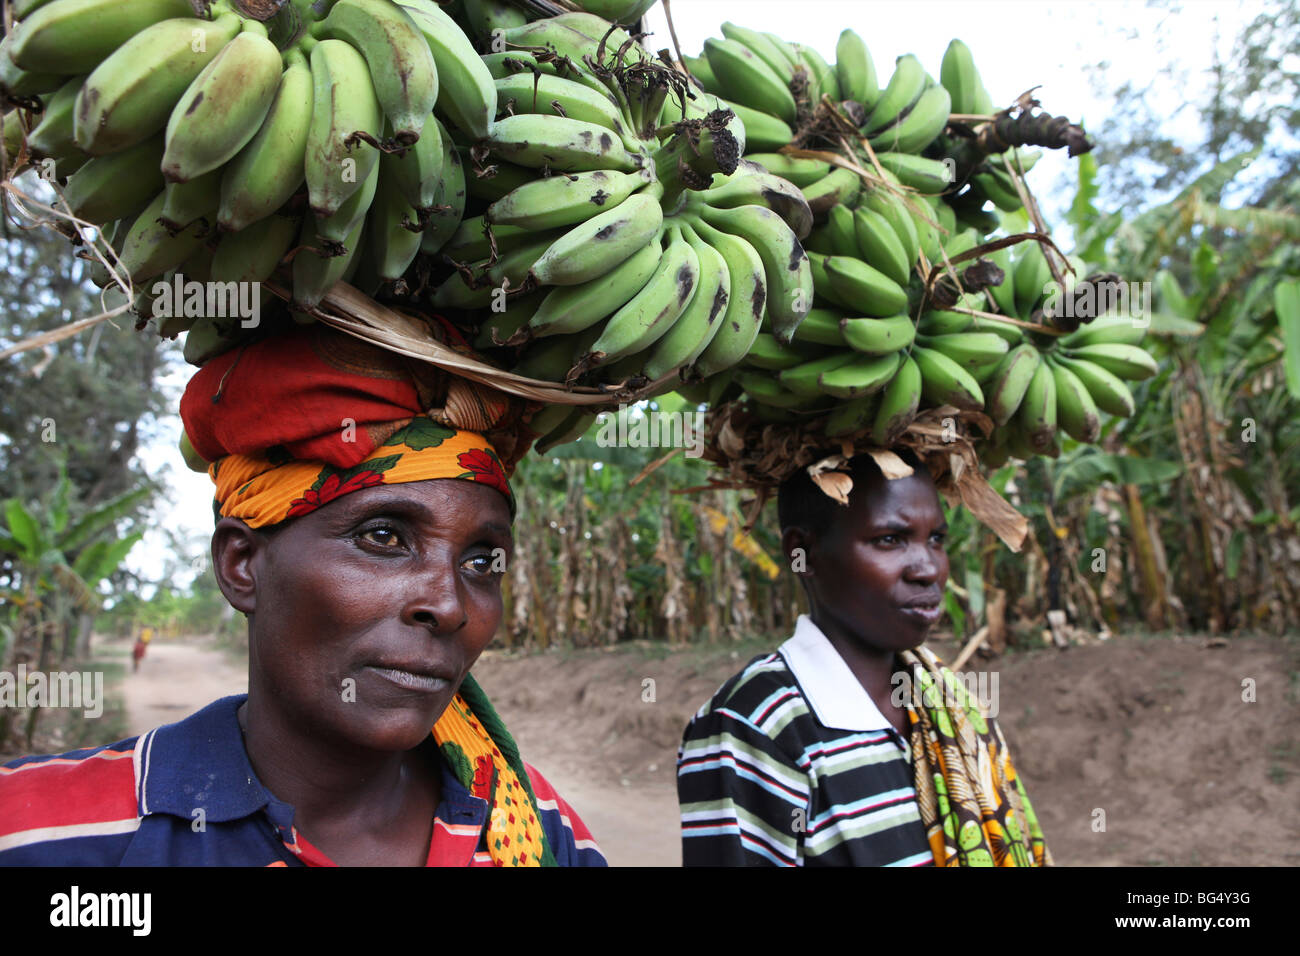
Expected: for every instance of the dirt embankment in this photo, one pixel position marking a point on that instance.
(1151, 737)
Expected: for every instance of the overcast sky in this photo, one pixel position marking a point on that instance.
(1016, 45)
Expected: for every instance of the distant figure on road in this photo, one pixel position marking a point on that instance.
(141, 645)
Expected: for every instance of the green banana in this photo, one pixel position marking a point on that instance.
(960, 78)
(977, 352)
(893, 208)
(839, 187)
(879, 336)
(762, 130)
(768, 391)
(544, 94)
(904, 88)
(74, 36)
(223, 108)
(928, 176)
(402, 68)
(869, 290)
(1075, 409)
(568, 309)
(805, 379)
(184, 203)
(117, 185)
(822, 79)
(768, 353)
(745, 79)
(793, 169)
(763, 47)
(564, 200)
(861, 376)
(314, 275)
(502, 323)
(252, 254)
(1108, 391)
(332, 230)
(150, 249)
(1010, 381)
(1114, 329)
(417, 171)
(821, 327)
(592, 248)
(449, 201)
(746, 303)
(393, 233)
(944, 382)
(853, 416)
(855, 70)
(923, 122)
(700, 321)
(1124, 361)
(879, 245)
(54, 135)
(467, 94)
(841, 232)
(560, 144)
(649, 314)
(785, 264)
(1037, 415)
(130, 96)
(346, 117)
(1031, 279)
(752, 185)
(898, 403)
(269, 169)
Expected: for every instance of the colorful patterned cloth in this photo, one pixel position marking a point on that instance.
(269, 488)
(300, 418)
(489, 765)
(973, 805)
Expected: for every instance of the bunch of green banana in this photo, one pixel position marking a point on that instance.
(214, 122)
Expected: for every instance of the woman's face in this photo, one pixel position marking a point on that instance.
(371, 610)
(881, 567)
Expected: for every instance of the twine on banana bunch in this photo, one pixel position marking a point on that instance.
(757, 456)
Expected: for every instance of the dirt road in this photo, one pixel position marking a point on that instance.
(175, 679)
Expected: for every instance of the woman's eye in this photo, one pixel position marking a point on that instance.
(494, 563)
(383, 536)
(887, 539)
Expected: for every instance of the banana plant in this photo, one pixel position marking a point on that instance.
(55, 564)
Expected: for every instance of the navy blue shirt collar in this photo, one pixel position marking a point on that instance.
(201, 763)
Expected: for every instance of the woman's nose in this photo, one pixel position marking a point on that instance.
(435, 599)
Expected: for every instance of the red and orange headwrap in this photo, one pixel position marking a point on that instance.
(296, 420)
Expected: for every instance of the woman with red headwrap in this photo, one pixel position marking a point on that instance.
(363, 527)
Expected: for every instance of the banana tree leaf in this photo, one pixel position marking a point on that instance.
(1286, 302)
(1166, 323)
(59, 503)
(100, 518)
(1084, 474)
(1083, 212)
(1232, 557)
(24, 530)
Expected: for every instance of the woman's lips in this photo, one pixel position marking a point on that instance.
(412, 680)
(926, 614)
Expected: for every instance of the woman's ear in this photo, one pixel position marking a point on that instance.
(234, 548)
(796, 543)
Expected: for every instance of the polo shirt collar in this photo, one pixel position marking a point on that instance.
(835, 695)
(199, 762)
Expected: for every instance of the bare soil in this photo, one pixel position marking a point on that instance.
(1149, 736)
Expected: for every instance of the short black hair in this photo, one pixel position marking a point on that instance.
(801, 504)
